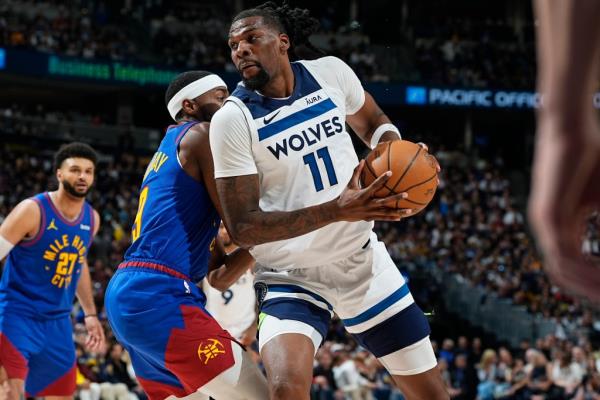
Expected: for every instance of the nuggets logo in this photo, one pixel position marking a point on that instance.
(210, 349)
(67, 254)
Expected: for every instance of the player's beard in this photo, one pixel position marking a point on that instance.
(257, 81)
(73, 191)
(207, 111)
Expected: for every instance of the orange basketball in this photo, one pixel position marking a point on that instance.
(413, 171)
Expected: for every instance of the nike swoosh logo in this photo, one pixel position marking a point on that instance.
(266, 121)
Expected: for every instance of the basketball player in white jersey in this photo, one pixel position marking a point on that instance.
(285, 182)
(235, 307)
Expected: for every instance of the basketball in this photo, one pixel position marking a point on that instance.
(414, 171)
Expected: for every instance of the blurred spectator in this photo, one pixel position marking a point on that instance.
(487, 374)
(447, 351)
(347, 377)
(117, 370)
(88, 387)
(566, 373)
(463, 346)
(324, 385)
(463, 379)
(538, 369)
(590, 390)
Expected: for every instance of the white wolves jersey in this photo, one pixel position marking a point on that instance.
(235, 308)
(302, 153)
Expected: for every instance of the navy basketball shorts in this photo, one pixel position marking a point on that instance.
(366, 291)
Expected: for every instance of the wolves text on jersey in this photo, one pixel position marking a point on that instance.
(313, 134)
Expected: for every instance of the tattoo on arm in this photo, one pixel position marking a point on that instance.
(249, 225)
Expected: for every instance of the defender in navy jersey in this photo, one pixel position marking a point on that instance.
(154, 306)
(285, 180)
(47, 238)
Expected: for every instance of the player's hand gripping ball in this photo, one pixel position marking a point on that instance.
(414, 171)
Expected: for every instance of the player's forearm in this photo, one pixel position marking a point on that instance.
(568, 52)
(249, 226)
(371, 124)
(258, 227)
(84, 292)
(234, 266)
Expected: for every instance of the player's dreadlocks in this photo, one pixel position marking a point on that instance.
(294, 22)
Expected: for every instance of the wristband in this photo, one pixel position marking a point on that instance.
(381, 129)
(5, 247)
(91, 315)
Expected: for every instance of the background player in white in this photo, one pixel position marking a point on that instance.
(284, 161)
(235, 307)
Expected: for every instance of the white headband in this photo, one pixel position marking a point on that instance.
(193, 90)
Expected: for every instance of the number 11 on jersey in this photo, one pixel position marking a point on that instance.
(311, 161)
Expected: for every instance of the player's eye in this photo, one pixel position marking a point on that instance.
(233, 46)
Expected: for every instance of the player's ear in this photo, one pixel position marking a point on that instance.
(284, 43)
(189, 107)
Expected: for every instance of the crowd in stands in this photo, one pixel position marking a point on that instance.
(473, 53)
(183, 38)
(15, 113)
(456, 51)
(60, 28)
(551, 369)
